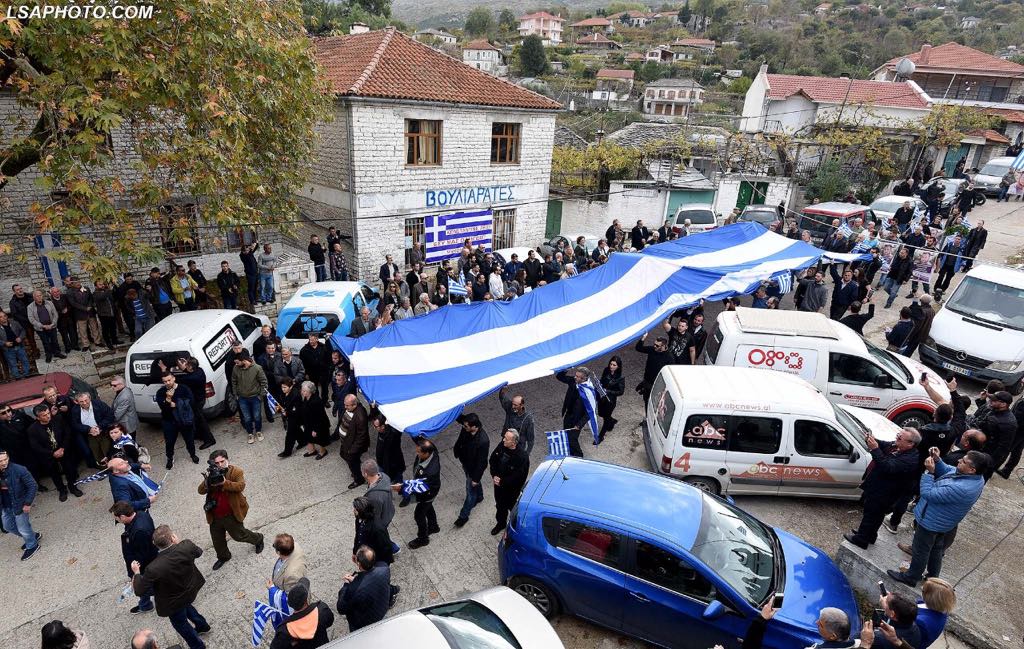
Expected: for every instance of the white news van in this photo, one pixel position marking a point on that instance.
(979, 331)
(845, 367)
(743, 431)
(207, 335)
(322, 308)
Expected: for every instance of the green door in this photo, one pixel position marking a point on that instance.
(751, 194)
(553, 225)
(953, 155)
(679, 197)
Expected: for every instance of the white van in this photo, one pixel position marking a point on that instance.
(979, 331)
(322, 308)
(207, 335)
(742, 431)
(846, 368)
(991, 173)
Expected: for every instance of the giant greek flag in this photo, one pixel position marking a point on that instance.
(422, 371)
(445, 234)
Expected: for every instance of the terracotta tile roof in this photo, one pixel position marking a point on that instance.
(694, 42)
(834, 91)
(954, 56)
(609, 73)
(593, 22)
(635, 56)
(1010, 115)
(542, 14)
(388, 64)
(480, 44)
(990, 135)
(597, 38)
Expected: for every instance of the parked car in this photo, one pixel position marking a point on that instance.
(701, 216)
(979, 331)
(26, 393)
(991, 173)
(846, 368)
(657, 559)
(766, 215)
(885, 207)
(496, 618)
(774, 435)
(321, 308)
(817, 219)
(564, 243)
(207, 335)
(504, 255)
(950, 190)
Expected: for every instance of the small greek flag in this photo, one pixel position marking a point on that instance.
(272, 402)
(278, 599)
(862, 246)
(964, 222)
(96, 477)
(558, 443)
(785, 281)
(588, 393)
(1018, 162)
(455, 287)
(261, 614)
(414, 486)
(845, 231)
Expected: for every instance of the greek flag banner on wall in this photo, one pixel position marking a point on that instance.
(444, 234)
(422, 371)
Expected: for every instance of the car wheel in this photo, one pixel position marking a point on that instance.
(537, 594)
(1016, 388)
(709, 485)
(912, 419)
(979, 199)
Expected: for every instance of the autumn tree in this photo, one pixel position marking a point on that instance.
(211, 99)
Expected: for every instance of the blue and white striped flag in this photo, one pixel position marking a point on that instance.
(96, 477)
(414, 486)
(964, 222)
(862, 246)
(785, 282)
(261, 614)
(589, 396)
(1018, 162)
(845, 230)
(455, 287)
(558, 443)
(272, 402)
(445, 234)
(278, 599)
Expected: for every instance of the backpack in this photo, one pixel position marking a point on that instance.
(183, 414)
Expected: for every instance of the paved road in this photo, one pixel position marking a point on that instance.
(78, 574)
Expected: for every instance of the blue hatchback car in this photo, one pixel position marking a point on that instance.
(662, 561)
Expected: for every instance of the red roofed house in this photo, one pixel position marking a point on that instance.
(705, 44)
(417, 133)
(613, 85)
(543, 24)
(795, 104)
(483, 56)
(593, 25)
(597, 41)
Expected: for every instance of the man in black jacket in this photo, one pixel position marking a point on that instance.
(534, 269)
(247, 255)
(316, 359)
(856, 320)
(574, 414)
(427, 467)
(1000, 427)
(136, 544)
(52, 445)
(318, 256)
(892, 472)
(976, 240)
(388, 450)
(510, 466)
(658, 357)
(639, 235)
(306, 627)
(844, 293)
(193, 377)
(471, 451)
(365, 596)
(903, 216)
(228, 283)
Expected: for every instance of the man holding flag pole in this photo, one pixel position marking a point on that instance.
(579, 407)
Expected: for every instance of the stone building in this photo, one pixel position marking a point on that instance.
(417, 133)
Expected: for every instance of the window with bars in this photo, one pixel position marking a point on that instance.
(179, 234)
(422, 142)
(413, 234)
(238, 236)
(504, 229)
(505, 143)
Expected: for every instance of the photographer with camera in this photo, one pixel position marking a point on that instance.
(223, 485)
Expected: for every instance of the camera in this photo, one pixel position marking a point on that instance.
(214, 474)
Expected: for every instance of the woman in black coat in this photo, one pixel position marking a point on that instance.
(614, 385)
(375, 537)
(315, 424)
(294, 436)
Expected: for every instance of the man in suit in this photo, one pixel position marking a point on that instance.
(353, 426)
(91, 420)
(229, 508)
(509, 466)
(175, 581)
(364, 324)
(54, 451)
(843, 294)
(389, 272)
(891, 473)
(136, 544)
(290, 566)
(127, 484)
(639, 235)
(976, 240)
(426, 467)
(123, 406)
(365, 596)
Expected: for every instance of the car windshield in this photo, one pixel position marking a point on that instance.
(738, 548)
(888, 361)
(468, 625)
(697, 217)
(764, 217)
(994, 169)
(983, 300)
(888, 204)
(853, 426)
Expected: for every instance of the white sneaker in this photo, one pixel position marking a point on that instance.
(252, 438)
(259, 437)
(887, 524)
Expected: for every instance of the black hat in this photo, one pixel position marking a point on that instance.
(1003, 396)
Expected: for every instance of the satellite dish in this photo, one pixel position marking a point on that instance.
(905, 68)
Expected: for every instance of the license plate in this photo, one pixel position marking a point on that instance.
(957, 369)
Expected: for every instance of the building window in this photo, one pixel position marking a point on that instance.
(504, 229)
(237, 237)
(422, 142)
(505, 143)
(671, 94)
(178, 232)
(413, 234)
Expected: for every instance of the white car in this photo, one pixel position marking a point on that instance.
(886, 206)
(701, 216)
(496, 618)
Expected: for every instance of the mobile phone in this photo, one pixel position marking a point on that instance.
(877, 616)
(881, 588)
(777, 600)
(924, 377)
